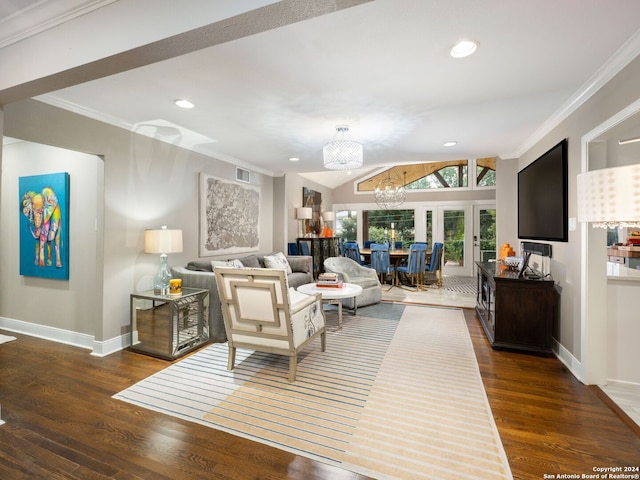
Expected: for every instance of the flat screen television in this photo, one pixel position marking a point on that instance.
(543, 197)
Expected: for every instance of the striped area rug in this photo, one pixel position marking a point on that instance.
(389, 399)
(459, 284)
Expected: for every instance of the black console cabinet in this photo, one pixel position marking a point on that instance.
(516, 313)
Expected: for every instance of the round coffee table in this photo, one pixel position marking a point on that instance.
(333, 295)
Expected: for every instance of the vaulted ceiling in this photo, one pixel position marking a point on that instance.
(271, 80)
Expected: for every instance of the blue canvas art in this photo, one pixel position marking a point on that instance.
(44, 225)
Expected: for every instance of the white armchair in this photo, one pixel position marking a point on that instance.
(261, 313)
(351, 272)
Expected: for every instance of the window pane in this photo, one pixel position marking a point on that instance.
(487, 235)
(454, 237)
(454, 176)
(430, 228)
(485, 177)
(486, 172)
(347, 225)
(380, 226)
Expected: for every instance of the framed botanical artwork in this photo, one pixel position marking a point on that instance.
(44, 225)
(229, 217)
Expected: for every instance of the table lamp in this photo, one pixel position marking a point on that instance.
(304, 213)
(328, 217)
(162, 241)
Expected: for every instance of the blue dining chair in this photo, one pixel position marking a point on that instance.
(352, 251)
(416, 262)
(381, 263)
(292, 248)
(435, 265)
(367, 243)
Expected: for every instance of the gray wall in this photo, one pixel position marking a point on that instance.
(146, 183)
(293, 188)
(566, 267)
(122, 183)
(72, 305)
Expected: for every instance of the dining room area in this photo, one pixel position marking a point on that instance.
(420, 253)
(414, 274)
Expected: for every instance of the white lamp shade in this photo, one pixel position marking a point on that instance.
(328, 216)
(163, 241)
(304, 213)
(610, 196)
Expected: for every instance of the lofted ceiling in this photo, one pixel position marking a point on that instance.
(271, 80)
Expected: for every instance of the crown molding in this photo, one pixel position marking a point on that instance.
(54, 101)
(42, 16)
(623, 56)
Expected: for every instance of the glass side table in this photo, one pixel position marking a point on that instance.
(168, 326)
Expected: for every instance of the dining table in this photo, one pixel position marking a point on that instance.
(398, 256)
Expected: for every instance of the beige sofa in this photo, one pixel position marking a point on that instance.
(200, 274)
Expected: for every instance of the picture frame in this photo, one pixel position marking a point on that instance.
(44, 225)
(313, 200)
(229, 217)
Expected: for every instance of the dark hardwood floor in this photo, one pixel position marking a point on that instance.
(61, 422)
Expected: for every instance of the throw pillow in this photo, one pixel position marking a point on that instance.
(226, 264)
(251, 261)
(235, 263)
(278, 261)
(199, 266)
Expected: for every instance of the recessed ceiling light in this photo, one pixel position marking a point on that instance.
(463, 48)
(449, 144)
(294, 159)
(182, 103)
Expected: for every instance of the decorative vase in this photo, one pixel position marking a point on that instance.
(161, 280)
(506, 251)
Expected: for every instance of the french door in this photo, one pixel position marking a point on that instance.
(467, 232)
(484, 234)
(454, 225)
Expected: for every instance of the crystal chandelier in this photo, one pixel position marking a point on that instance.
(390, 193)
(341, 154)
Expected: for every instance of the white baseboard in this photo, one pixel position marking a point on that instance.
(622, 382)
(569, 361)
(102, 349)
(68, 337)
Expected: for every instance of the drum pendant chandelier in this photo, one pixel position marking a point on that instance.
(341, 154)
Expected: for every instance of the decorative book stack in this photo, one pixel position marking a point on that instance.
(329, 280)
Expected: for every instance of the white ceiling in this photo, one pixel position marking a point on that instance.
(381, 67)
